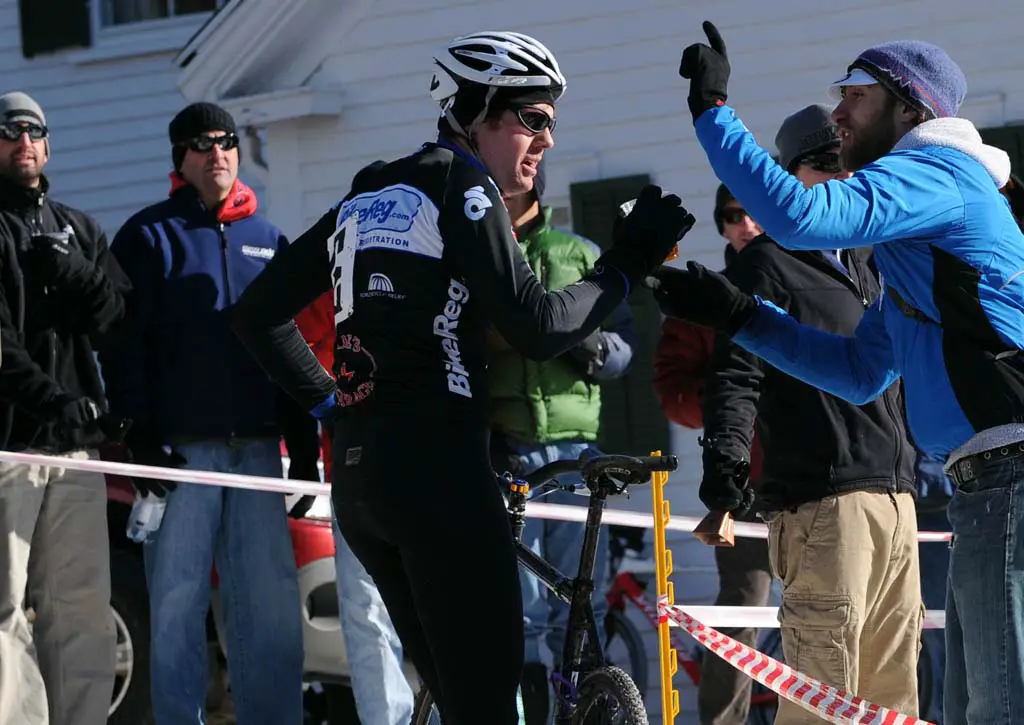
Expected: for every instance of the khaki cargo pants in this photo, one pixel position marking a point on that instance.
(851, 609)
(54, 549)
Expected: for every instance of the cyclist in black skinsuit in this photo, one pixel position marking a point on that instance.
(422, 260)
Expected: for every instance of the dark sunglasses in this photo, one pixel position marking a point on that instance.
(732, 215)
(536, 120)
(13, 131)
(205, 144)
(826, 162)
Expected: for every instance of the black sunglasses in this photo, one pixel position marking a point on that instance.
(13, 130)
(825, 162)
(536, 120)
(733, 215)
(205, 144)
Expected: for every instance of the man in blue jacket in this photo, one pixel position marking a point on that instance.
(925, 194)
(198, 400)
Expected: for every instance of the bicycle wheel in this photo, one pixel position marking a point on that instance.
(424, 712)
(763, 702)
(609, 697)
(619, 634)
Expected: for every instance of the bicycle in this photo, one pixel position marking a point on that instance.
(588, 691)
(628, 588)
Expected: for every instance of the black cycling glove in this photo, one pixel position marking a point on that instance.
(701, 296)
(643, 239)
(708, 71)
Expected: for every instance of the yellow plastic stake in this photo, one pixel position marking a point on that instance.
(667, 659)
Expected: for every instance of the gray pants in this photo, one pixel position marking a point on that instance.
(54, 551)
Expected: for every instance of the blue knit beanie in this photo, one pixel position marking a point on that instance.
(916, 72)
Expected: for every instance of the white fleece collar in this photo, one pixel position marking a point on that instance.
(959, 134)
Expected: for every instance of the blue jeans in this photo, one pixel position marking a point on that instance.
(934, 562)
(985, 599)
(383, 695)
(547, 617)
(246, 533)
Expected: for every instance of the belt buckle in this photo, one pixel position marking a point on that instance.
(964, 470)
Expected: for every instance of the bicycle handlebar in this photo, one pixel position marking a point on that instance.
(632, 469)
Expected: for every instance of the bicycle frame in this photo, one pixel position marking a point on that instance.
(582, 649)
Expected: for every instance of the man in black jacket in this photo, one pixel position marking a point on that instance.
(60, 294)
(837, 479)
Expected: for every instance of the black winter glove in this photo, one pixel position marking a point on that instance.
(726, 484)
(643, 239)
(589, 355)
(701, 296)
(56, 260)
(144, 450)
(708, 70)
(73, 418)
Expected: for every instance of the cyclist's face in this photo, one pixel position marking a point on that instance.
(511, 150)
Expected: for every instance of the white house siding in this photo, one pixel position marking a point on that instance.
(107, 114)
(625, 111)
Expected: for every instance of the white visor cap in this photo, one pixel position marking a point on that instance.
(856, 77)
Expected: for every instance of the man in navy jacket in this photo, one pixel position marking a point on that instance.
(198, 400)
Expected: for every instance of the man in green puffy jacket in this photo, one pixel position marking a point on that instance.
(546, 411)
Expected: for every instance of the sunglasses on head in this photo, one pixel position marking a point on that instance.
(826, 162)
(733, 215)
(205, 144)
(536, 120)
(12, 131)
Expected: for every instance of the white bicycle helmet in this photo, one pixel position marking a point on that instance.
(488, 64)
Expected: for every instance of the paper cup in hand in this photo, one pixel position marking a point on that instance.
(716, 529)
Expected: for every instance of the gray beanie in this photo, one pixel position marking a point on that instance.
(19, 107)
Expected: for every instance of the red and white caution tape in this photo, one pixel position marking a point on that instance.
(768, 617)
(825, 701)
(534, 509)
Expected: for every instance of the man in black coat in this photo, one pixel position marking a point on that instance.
(837, 479)
(61, 295)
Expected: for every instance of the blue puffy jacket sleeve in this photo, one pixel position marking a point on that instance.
(904, 194)
(857, 369)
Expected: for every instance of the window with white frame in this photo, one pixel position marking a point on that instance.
(115, 13)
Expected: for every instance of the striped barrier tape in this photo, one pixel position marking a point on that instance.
(559, 512)
(768, 617)
(827, 702)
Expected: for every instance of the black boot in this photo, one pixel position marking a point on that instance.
(535, 693)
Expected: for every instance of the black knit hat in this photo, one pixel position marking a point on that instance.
(195, 120)
(722, 197)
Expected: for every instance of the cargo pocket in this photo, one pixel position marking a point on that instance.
(775, 554)
(815, 633)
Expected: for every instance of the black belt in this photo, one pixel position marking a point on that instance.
(969, 468)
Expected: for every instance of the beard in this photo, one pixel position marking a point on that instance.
(869, 141)
(20, 173)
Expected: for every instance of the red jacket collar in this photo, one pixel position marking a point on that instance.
(239, 204)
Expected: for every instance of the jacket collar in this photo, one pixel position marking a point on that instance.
(538, 224)
(17, 197)
(240, 203)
